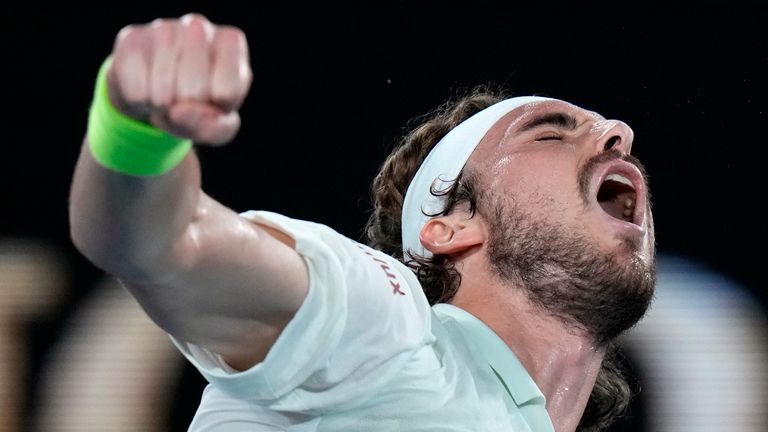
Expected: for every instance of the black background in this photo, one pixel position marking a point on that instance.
(334, 88)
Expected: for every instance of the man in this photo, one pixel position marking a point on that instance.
(528, 228)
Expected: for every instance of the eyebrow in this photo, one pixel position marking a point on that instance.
(559, 119)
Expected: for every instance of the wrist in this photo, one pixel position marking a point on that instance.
(127, 145)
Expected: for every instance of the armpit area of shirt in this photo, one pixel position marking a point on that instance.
(206, 358)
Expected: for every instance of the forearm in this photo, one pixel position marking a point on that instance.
(129, 225)
(201, 271)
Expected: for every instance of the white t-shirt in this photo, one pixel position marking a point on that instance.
(366, 353)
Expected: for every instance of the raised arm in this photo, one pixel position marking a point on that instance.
(200, 271)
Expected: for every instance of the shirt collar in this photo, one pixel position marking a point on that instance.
(504, 363)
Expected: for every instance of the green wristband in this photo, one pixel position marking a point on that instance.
(127, 145)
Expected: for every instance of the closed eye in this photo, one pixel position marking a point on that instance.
(549, 138)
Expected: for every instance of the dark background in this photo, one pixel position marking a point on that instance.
(333, 89)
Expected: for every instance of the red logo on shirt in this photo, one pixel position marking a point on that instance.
(383, 265)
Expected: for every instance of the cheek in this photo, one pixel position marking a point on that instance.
(545, 176)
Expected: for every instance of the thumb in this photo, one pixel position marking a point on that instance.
(203, 123)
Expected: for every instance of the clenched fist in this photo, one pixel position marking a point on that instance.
(186, 76)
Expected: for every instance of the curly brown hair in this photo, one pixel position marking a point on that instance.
(437, 274)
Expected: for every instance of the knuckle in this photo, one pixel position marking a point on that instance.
(163, 28)
(233, 36)
(125, 35)
(126, 31)
(194, 18)
(160, 22)
(129, 37)
(235, 33)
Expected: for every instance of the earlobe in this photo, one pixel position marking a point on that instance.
(451, 234)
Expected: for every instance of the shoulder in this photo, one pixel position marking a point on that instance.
(313, 238)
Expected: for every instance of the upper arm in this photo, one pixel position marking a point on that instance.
(230, 285)
(363, 318)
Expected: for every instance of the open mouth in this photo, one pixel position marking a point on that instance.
(617, 196)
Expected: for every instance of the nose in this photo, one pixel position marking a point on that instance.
(614, 134)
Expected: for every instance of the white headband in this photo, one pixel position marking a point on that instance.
(442, 166)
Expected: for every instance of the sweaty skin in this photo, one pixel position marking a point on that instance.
(211, 278)
(201, 272)
(537, 170)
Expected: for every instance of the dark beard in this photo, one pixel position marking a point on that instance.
(565, 275)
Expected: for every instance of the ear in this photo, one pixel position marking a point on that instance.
(451, 234)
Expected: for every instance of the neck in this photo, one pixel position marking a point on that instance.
(563, 362)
